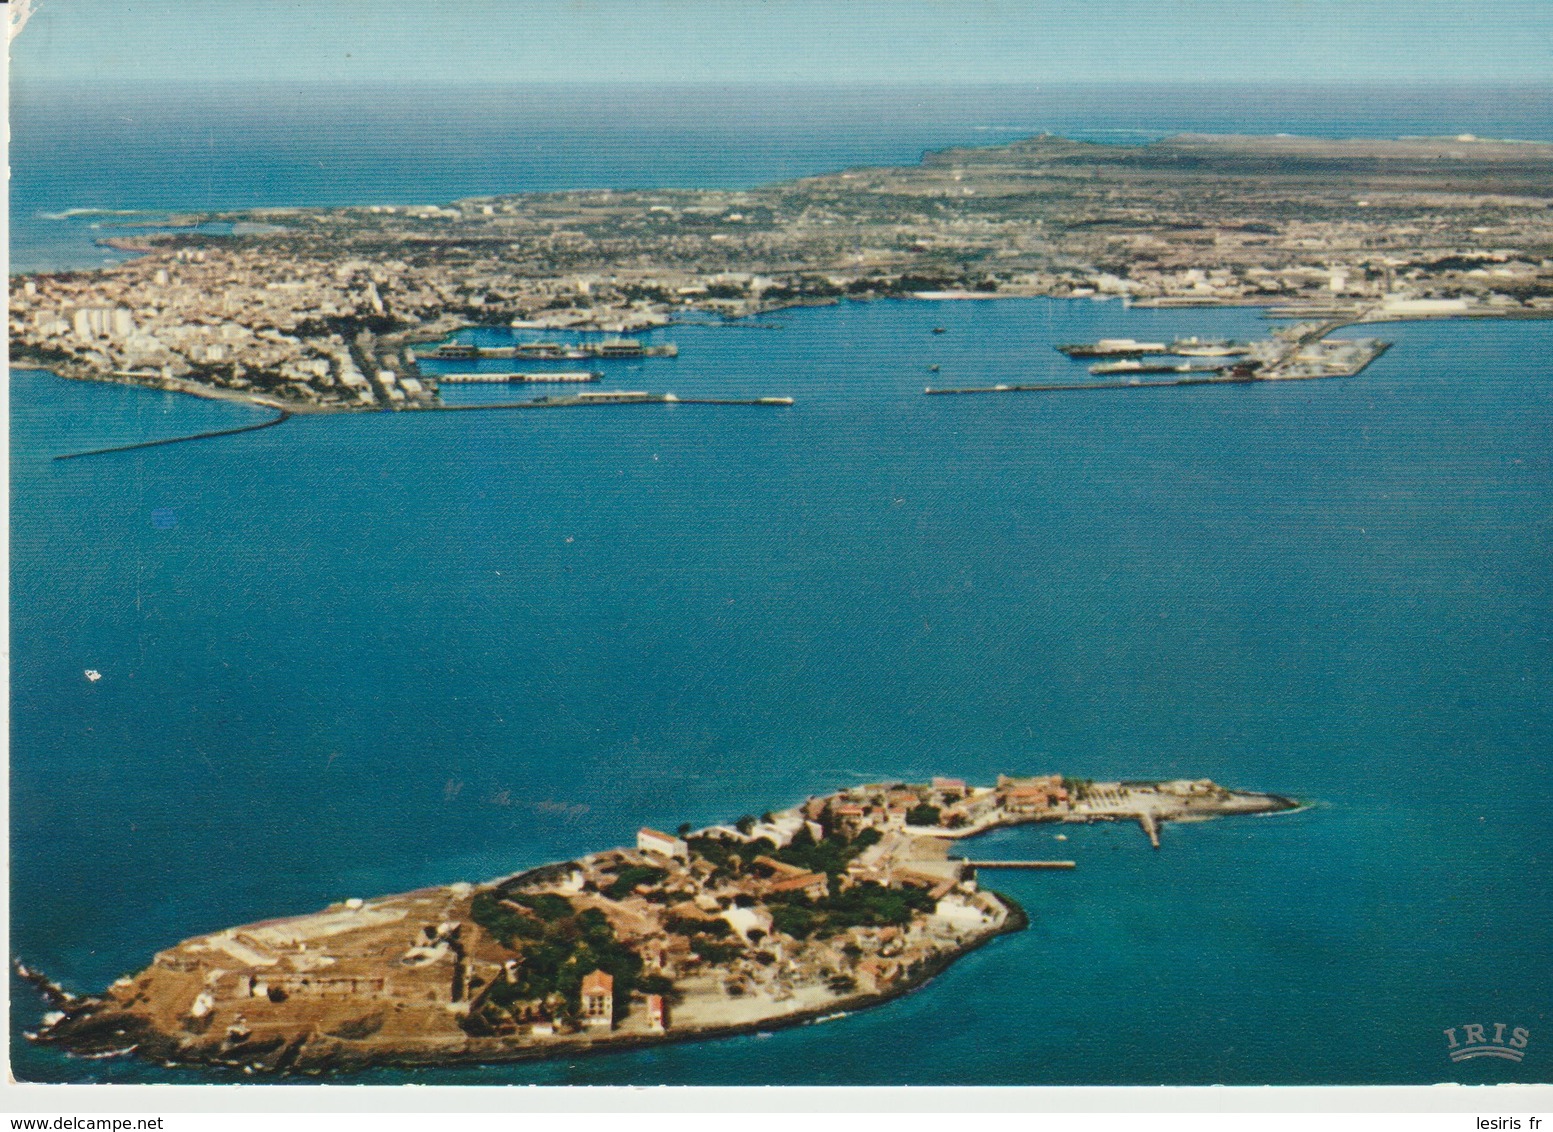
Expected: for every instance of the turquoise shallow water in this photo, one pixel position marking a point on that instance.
(383, 651)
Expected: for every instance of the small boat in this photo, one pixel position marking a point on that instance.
(939, 330)
(93, 675)
(932, 369)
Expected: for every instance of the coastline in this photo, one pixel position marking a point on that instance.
(318, 312)
(497, 1053)
(235, 1023)
(69, 371)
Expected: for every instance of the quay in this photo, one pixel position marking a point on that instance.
(1067, 386)
(553, 351)
(612, 397)
(536, 377)
(1023, 864)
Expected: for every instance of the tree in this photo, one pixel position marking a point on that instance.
(745, 824)
(684, 828)
(922, 815)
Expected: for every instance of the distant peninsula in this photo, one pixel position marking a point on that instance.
(317, 309)
(844, 901)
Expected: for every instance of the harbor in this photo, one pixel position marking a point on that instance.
(1301, 352)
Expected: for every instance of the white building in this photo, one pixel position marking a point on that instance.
(92, 323)
(663, 844)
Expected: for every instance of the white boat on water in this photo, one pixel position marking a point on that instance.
(93, 675)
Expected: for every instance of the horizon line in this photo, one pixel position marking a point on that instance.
(869, 84)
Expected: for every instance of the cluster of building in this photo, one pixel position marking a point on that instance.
(842, 899)
(275, 312)
(708, 912)
(233, 318)
(689, 894)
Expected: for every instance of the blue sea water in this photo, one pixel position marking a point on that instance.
(391, 650)
(350, 656)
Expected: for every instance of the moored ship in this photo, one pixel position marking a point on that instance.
(1112, 348)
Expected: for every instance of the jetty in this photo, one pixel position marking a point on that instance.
(528, 377)
(281, 417)
(611, 397)
(553, 351)
(1089, 386)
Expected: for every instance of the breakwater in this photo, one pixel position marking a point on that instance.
(1074, 386)
(603, 399)
(280, 418)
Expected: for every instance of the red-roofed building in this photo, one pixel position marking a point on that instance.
(813, 885)
(851, 817)
(1031, 795)
(598, 999)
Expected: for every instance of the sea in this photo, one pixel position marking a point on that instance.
(356, 655)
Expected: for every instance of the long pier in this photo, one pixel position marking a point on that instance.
(283, 416)
(602, 401)
(1075, 386)
(585, 400)
(1023, 864)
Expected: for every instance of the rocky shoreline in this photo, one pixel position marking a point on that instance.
(88, 1035)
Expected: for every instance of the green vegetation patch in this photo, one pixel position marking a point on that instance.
(502, 923)
(553, 962)
(862, 905)
(628, 878)
(829, 855)
(546, 905)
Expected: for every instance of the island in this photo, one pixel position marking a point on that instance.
(800, 915)
(331, 309)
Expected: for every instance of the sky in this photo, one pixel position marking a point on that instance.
(789, 41)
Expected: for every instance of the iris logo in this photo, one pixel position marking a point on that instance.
(1475, 1042)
